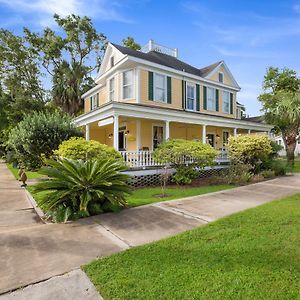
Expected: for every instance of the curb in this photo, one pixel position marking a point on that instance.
(39, 212)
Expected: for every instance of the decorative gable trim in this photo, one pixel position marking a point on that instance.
(217, 68)
(106, 59)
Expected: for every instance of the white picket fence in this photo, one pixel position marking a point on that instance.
(144, 159)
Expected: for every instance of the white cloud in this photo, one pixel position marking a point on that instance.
(102, 9)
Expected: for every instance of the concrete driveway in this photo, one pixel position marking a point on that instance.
(31, 251)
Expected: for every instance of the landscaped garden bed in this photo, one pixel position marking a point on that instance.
(249, 255)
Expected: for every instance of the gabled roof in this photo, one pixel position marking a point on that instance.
(257, 119)
(168, 61)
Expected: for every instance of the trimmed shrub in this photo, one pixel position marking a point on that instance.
(79, 148)
(186, 157)
(185, 175)
(38, 135)
(253, 150)
(78, 188)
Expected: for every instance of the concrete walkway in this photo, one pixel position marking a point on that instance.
(31, 252)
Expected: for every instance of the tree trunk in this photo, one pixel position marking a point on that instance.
(290, 140)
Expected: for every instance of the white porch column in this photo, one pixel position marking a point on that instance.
(204, 134)
(249, 131)
(116, 132)
(235, 131)
(138, 135)
(87, 132)
(167, 130)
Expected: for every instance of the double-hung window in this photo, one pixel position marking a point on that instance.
(128, 84)
(211, 99)
(160, 86)
(190, 97)
(226, 102)
(94, 101)
(112, 89)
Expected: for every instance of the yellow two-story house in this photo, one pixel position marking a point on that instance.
(143, 98)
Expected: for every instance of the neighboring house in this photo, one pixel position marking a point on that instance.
(279, 141)
(143, 98)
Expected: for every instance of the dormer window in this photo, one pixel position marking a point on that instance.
(112, 61)
(221, 77)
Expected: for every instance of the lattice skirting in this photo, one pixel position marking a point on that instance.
(155, 179)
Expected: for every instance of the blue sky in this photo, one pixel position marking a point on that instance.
(248, 35)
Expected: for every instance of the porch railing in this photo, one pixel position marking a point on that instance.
(144, 159)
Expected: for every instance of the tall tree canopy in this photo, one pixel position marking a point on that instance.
(70, 58)
(281, 104)
(129, 42)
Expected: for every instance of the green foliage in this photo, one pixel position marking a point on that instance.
(82, 187)
(38, 135)
(185, 175)
(79, 148)
(69, 57)
(281, 105)
(129, 42)
(175, 150)
(279, 167)
(237, 173)
(252, 150)
(268, 173)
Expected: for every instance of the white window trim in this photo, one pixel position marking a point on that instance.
(222, 77)
(114, 89)
(214, 97)
(165, 87)
(186, 97)
(94, 101)
(152, 135)
(133, 84)
(226, 112)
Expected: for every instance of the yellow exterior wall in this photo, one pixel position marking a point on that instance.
(177, 96)
(226, 79)
(103, 98)
(177, 131)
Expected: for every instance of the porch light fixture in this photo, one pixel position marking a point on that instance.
(110, 135)
(217, 136)
(126, 132)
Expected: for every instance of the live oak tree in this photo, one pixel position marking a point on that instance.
(70, 58)
(281, 105)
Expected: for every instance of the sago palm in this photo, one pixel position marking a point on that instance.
(77, 184)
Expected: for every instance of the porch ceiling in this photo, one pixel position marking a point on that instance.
(163, 114)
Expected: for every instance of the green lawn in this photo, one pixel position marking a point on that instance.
(250, 255)
(30, 174)
(147, 195)
(296, 168)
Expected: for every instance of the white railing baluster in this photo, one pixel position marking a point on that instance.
(142, 159)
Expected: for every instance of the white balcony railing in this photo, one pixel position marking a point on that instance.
(144, 159)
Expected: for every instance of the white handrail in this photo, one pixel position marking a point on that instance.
(144, 159)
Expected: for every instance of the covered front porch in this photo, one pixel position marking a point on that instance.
(136, 132)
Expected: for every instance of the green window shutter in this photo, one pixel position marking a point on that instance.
(217, 100)
(150, 86)
(183, 93)
(91, 103)
(205, 97)
(97, 100)
(197, 97)
(231, 103)
(169, 90)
